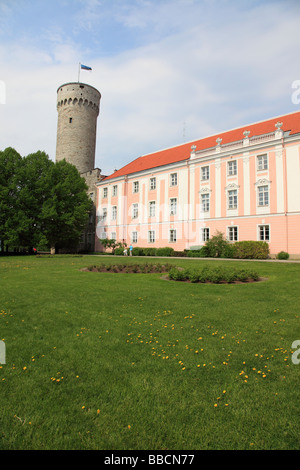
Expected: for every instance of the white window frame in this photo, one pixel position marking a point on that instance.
(134, 237)
(152, 183)
(173, 206)
(262, 162)
(104, 213)
(232, 198)
(173, 179)
(205, 173)
(114, 213)
(105, 192)
(264, 191)
(204, 234)
(232, 168)
(233, 233)
(115, 190)
(135, 187)
(113, 235)
(261, 232)
(151, 236)
(135, 210)
(152, 208)
(205, 202)
(172, 235)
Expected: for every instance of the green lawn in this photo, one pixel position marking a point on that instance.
(131, 361)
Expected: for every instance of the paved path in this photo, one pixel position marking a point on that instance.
(204, 259)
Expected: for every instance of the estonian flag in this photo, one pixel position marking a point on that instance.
(85, 67)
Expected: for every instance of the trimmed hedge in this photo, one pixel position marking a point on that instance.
(239, 250)
(251, 250)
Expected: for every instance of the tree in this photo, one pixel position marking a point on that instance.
(34, 189)
(41, 201)
(217, 245)
(10, 161)
(66, 210)
(111, 243)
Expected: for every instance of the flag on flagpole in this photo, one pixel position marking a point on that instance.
(85, 67)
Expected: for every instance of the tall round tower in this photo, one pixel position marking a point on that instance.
(78, 108)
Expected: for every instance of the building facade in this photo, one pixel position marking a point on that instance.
(244, 182)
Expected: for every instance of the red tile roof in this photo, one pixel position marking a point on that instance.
(291, 122)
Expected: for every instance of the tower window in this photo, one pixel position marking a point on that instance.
(70, 120)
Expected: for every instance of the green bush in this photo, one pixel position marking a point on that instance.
(167, 251)
(213, 275)
(251, 250)
(194, 276)
(217, 245)
(176, 274)
(149, 251)
(282, 255)
(138, 251)
(180, 254)
(202, 253)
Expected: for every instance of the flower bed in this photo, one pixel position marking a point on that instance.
(213, 275)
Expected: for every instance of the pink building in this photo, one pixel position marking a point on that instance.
(244, 182)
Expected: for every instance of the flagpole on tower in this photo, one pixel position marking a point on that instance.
(79, 71)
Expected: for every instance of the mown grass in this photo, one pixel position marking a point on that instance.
(131, 361)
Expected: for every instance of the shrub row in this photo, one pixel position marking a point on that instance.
(218, 247)
(167, 251)
(131, 268)
(214, 275)
(215, 247)
(237, 250)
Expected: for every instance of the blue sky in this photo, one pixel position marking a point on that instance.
(169, 71)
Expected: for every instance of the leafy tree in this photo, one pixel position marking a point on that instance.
(217, 245)
(34, 189)
(66, 210)
(10, 161)
(41, 202)
(112, 243)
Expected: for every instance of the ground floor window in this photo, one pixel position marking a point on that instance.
(204, 234)
(151, 236)
(134, 237)
(172, 235)
(264, 232)
(232, 234)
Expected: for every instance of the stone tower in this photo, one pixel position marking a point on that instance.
(78, 108)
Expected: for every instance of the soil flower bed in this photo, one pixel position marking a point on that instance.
(216, 275)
